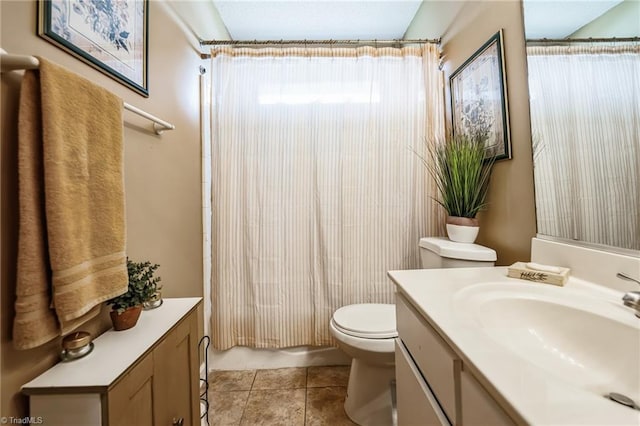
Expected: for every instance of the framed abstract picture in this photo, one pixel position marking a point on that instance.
(479, 98)
(110, 35)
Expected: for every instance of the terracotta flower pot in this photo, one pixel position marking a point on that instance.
(126, 319)
(462, 229)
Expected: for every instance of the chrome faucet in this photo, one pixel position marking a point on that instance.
(631, 298)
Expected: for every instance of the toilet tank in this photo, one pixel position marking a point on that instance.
(438, 252)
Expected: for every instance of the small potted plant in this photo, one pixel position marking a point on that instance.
(126, 308)
(462, 175)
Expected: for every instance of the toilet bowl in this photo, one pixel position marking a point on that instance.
(366, 332)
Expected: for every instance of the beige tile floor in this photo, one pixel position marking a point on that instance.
(307, 396)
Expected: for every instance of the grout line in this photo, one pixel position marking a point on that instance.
(306, 393)
(306, 378)
(244, 409)
(246, 403)
(253, 382)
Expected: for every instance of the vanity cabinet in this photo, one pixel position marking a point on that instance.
(432, 385)
(477, 406)
(147, 375)
(175, 376)
(130, 401)
(416, 404)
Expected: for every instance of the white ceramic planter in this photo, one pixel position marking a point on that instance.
(462, 234)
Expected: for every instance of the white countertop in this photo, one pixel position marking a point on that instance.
(537, 396)
(114, 351)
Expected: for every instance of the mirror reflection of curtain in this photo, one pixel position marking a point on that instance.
(585, 119)
(316, 190)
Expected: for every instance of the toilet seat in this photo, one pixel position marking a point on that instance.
(367, 320)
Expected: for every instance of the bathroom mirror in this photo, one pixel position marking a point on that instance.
(584, 88)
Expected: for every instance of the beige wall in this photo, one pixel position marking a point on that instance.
(509, 222)
(620, 21)
(162, 173)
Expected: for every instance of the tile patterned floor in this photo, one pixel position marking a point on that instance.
(307, 396)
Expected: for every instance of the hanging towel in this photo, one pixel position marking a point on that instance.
(72, 236)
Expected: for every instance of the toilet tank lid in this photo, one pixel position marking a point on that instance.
(453, 250)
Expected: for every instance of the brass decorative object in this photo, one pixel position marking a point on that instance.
(76, 345)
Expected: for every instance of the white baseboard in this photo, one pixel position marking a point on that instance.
(244, 358)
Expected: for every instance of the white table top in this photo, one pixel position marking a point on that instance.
(537, 396)
(114, 351)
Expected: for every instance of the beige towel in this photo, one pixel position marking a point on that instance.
(71, 247)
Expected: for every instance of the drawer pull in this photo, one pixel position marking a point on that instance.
(178, 422)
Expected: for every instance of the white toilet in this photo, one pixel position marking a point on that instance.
(366, 332)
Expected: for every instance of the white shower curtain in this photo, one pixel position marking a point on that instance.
(585, 122)
(316, 190)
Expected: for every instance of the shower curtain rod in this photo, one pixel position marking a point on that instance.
(23, 62)
(582, 40)
(330, 42)
(321, 42)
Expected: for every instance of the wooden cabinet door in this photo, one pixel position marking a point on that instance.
(478, 407)
(130, 401)
(432, 355)
(416, 404)
(175, 376)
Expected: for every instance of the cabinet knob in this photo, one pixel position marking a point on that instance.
(178, 422)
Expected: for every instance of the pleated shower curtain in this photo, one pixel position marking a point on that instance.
(317, 190)
(585, 119)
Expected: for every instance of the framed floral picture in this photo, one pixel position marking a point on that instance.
(479, 98)
(110, 35)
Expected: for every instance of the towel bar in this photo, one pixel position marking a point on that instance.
(11, 62)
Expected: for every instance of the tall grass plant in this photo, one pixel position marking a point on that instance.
(462, 174)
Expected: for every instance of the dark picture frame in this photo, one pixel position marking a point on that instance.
(111, 36)
(479, 100)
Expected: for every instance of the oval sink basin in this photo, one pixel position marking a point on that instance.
(587, 341)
